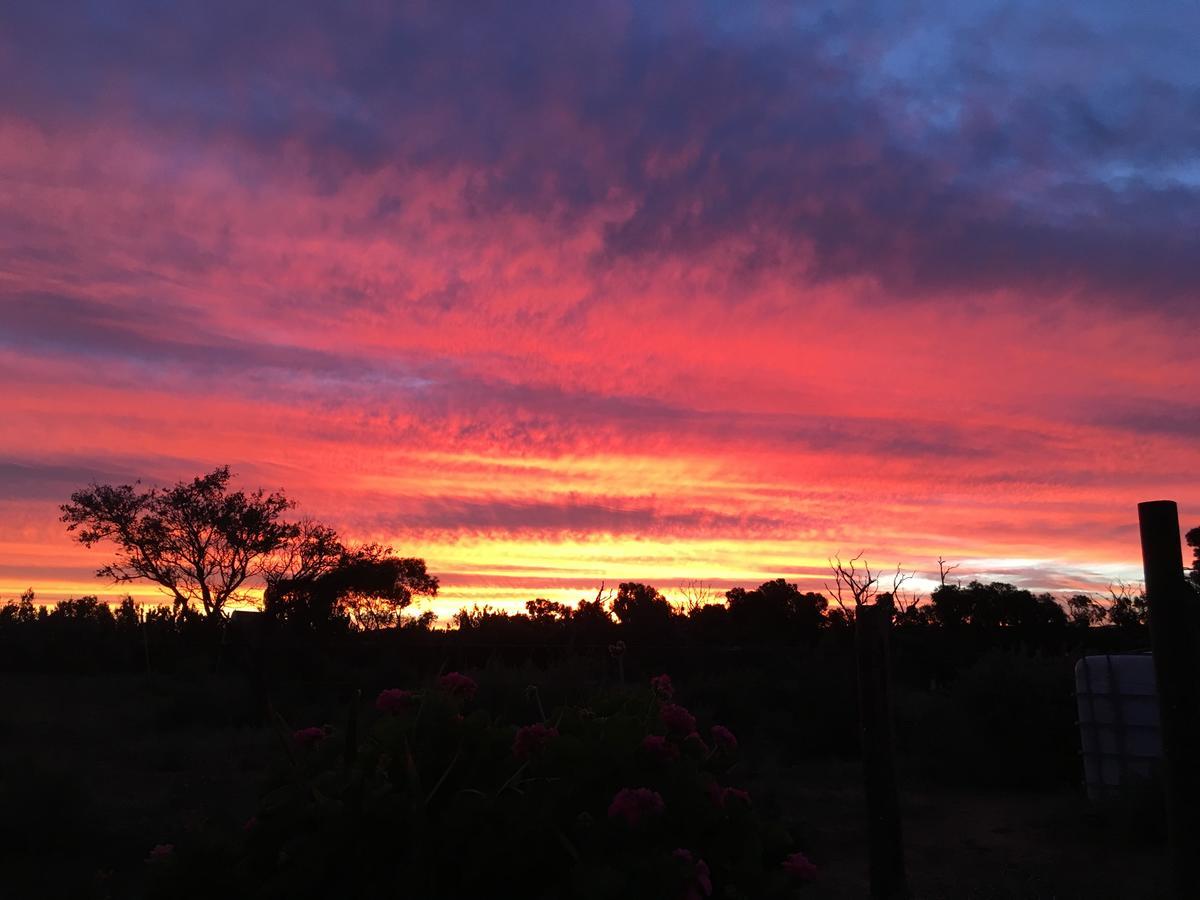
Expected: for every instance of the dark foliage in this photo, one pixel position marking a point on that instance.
(366, 587)
(198, 540)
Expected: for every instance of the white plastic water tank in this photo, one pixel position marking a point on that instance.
(1118, 721)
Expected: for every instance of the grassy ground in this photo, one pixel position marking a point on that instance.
(96, 770)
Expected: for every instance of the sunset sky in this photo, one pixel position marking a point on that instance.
(556, 293)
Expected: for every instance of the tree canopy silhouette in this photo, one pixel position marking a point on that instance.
(775, 611)
(198, 540)
(328, 585)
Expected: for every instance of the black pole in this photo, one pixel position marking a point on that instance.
(1174, 619)
(884, 841)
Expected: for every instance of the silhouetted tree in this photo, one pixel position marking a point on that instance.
(1084, 611)
(24, 611)
(543, 611)
(366, 587)
(642, 610)
(854, 585)
(1127, 608)
(198, 540)
(311, 550)
(775, 611)
(991, 607)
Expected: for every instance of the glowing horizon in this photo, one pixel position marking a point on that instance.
(552, 296)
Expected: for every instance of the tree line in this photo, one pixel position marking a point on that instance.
(207, 545)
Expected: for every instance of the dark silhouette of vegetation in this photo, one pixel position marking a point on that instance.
(643, 612)
(775, 611)
(997, 606)
(324, 586)
(1126, 609)
(198, 540)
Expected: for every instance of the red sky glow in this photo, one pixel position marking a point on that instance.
(558, 295)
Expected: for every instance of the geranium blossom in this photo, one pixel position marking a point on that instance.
(458, 684)
(306, 736)
(800, 866)
(635, 804)
(394, 700)
(676, 718)
(532, 739)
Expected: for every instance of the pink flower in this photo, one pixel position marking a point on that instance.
(800, 866)
(307, 736)
(161, 852)
(635, 804)
(699, 879)
(661, 685)
(532, 739)
(724, 739)
(660, 748)
(251, 824)
(732, 793)
(458, 684)
(676, 718)
(394, 700)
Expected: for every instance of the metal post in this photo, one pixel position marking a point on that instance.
(1174, 620)
(884, 840)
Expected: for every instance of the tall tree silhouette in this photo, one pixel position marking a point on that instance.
(198, 540)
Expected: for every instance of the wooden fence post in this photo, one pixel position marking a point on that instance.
(884, 840)
(1174, 623)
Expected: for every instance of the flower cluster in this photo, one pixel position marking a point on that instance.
(458, 684)
(307, 736)
(453, 767)
(532, 739)
(677, 719)
(394, 700)
(800, 866)
(635, 804)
